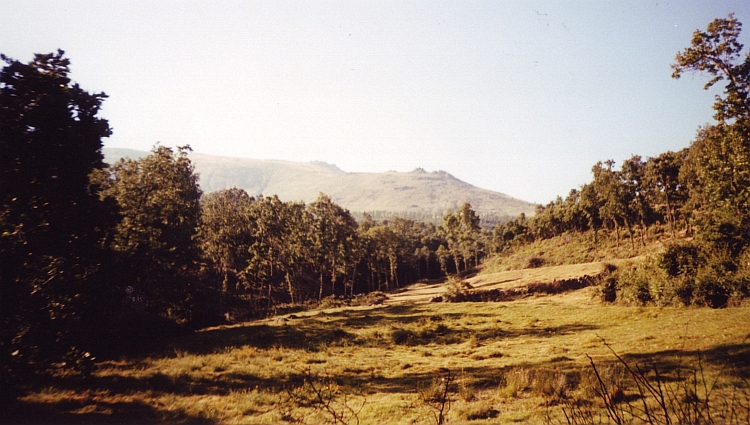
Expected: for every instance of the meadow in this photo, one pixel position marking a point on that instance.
(525, 361)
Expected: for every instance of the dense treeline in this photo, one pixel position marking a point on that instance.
(626, 202)
(701, 193)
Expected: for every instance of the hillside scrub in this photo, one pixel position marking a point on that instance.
(686, 273)
(702, 191)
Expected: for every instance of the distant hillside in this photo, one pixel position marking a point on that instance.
(417, 194)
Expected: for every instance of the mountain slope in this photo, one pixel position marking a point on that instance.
(419, 192)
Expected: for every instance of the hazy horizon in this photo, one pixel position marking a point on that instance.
(515, 97)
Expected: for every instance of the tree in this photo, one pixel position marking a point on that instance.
(281, 246)
(159, 199)
(638, 212)
(662, 179)
(451, 231)
(462, 233)
(719, 159)
(384, 253)
(613, 199)
(334, 233)
(52, 221)
(718, 53)
(471, 233)
(226, 234)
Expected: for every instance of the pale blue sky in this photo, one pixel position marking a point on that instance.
(520, 97)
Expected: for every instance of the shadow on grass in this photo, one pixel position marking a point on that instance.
(734, 359)
(405, 325)
(313, 333)
(85, 407)
(84, 411)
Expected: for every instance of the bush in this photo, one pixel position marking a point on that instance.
(403, 337)
(633, 284)
(608, 289)
(536, 262)
(713, 283)
(680, 259)
(651, 283)
(685, 274)
(477, 411)
(456, 290)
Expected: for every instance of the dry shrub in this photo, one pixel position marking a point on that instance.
(535, 262)
(550, 384)
(515, 381)
(477, 411)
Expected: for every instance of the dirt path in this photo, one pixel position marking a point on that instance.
(421, 292)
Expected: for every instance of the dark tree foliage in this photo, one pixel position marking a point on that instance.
(267, 252)
(159, 200)
(52, 221)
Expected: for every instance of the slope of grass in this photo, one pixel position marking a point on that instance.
(507, 362)
(577, 248)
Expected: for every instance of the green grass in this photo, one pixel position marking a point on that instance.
(508, 359)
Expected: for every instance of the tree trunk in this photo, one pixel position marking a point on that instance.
(291, 289)
(320, 292)
(333, 276)
(617, 231)
(630, 233)
(394, 276)
(670, 216)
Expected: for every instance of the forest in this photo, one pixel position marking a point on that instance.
(97, 258)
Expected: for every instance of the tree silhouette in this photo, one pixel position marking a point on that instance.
(52, 221)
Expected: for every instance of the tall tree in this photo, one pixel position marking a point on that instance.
(612, 196)
(451, 231)
(335, 233)
(226, 234)
(638, 212)
(717, 52)
(159, 199)
(662, 179)
(462, 234)
(471, 233)
(719, 159)
(52, 221)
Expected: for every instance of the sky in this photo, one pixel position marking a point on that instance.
(519, 97)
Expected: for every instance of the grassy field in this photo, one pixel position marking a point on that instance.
(517, 362)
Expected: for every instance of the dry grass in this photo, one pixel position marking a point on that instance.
(509, 360)
(578, 248)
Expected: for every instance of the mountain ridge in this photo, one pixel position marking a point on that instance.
(417, 192)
